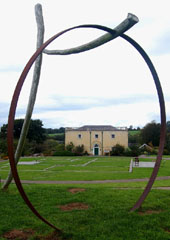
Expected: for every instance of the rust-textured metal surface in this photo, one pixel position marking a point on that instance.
(163, 120)
(14, 106)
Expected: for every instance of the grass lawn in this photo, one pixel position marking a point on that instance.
(107, 216)
(82, 168)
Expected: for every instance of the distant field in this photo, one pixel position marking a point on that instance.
(55, 134)
(135, 132)
(81, 168)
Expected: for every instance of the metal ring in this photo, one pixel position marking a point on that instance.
(163, 120)
(14, 106)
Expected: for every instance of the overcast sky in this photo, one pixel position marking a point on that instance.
(108, 85)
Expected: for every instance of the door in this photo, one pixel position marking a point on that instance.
(96, 149)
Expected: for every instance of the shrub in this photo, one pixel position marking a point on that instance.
(132, 151)
(166, 152)
(69, 147)
(49, 147)
(135, 151)
(63, 153)
(117, 150)
(128, 152)
(86, 153)
(76, 150)
(79, 150)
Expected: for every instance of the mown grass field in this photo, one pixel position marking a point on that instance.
(107, 216)
(81, 168)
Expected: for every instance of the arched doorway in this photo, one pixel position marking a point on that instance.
(96, 149)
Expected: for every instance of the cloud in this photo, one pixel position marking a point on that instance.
(63, 103)
(161, 45)
(11, 68)
(75, 104)
(125, 111)
(111, 78)
(136, 114)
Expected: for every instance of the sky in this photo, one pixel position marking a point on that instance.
(109, 85)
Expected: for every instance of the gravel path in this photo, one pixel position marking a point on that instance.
(92, 182)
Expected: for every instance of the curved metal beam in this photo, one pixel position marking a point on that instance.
(163, 119)
(14, 106)
(12, 112)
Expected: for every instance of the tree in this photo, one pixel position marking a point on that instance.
(36, 131)
(134, 151)
(168, 127)
(59, 137)
(151, 133)
(55, 130)
(134, 139)
(167, 143)
(130, 128)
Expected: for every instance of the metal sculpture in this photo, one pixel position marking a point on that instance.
(112, 34)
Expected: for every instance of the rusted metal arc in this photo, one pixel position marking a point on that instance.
(13, 111)
(163, 119)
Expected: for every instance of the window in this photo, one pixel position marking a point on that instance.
(79, 136)
(112, 135)
(96, 135)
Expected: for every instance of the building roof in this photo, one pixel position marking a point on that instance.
(97, 128)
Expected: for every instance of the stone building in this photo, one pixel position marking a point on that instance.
(97, 139)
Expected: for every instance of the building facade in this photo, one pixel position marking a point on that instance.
(97, 139)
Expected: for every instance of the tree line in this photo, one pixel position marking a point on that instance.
(150, 135)
(38, 138)
(50, 141)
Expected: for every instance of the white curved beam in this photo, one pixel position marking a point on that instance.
(121, 28)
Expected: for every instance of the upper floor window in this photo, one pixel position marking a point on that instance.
(96, 135)
(79, 136)
(112, 135)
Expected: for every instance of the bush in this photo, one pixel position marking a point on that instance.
(63, 153)
(49, 147)
(117, 150)
(4, 148)
(60, 137)
(128, 152)
(69, 147)
(166, 152)
(76, 150)
(86, 153)
(52, 147)
(135, 151)
(79, 150)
